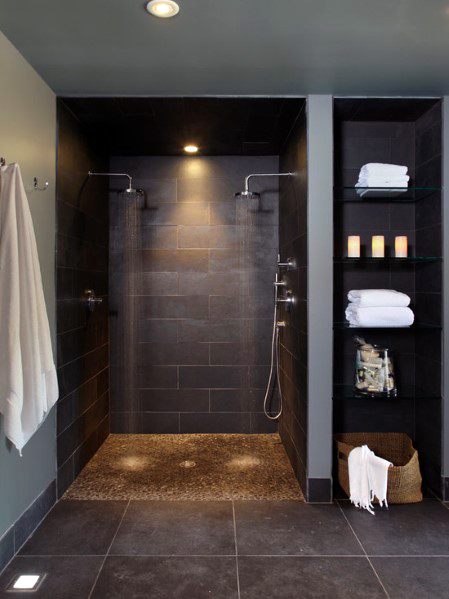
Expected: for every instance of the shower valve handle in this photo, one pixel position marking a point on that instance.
(91, 300)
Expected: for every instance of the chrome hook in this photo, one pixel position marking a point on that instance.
(36, 185)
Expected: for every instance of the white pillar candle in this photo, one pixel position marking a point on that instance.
(378, 246)
(401, 246)
(353, 246)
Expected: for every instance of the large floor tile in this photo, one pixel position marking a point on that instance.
(66, 577)
(415, 529)
(176, 528)
(308, 578)
(77, 528)
(417, 577)
(292, 528)
(163, 577)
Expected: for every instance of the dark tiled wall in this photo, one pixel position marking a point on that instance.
(417, 353)
(191, 272)
(293, 244)
(82, 337)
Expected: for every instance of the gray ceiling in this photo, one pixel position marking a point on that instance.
(241, 47)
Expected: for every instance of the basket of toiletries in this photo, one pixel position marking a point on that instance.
(374, 372)
(404, 477)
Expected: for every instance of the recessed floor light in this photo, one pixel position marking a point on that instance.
(191, 149)
(26, 582)
(163, 8)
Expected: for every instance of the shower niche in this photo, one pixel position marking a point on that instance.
(405, 132)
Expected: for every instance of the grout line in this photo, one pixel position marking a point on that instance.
(273, 556)
(363, 549)
(236, 551)
(108, 550)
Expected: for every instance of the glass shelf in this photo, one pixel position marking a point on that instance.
(382, 194)
(346, 392)
(388, 260)
(415, 327)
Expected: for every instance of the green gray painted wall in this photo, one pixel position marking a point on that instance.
(28, 136)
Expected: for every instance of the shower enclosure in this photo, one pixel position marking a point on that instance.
(182, 341)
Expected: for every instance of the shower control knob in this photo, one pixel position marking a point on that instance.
(91, 300)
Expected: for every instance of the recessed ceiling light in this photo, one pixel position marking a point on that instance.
(26, 582)
(163, 8)
(191, 149)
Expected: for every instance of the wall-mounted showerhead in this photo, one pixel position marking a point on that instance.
(246, 194)
(128, 191)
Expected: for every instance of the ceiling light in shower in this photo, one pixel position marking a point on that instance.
(191, 149)
(163, 8)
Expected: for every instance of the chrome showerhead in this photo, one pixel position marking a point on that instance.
(246, 194)
(128, 191)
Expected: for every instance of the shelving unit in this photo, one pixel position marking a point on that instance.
(408, 132)
(352, 194)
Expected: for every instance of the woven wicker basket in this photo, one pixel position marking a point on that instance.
(404, 478)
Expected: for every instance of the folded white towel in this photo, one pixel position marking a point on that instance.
(383, 181)
(382, 169)
(368, 478)
(379, 316)
(370, 298)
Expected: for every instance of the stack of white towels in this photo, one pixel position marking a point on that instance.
(376, 174)
(378, 308)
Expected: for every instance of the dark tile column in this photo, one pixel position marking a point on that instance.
(82, 263)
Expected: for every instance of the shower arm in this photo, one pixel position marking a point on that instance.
(113, 175)
(247, 179)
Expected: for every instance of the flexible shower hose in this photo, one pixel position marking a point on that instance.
(274, 356)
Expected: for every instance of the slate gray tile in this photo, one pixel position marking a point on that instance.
(208, 236)
(414, 529)
(65, 577)
(212, 376)
(219, 330)
(162, 577)
(205, 189)
(174, 261)
(154, 283)
(215, 423)
(172, 353)
(194, 283)
(183, 306)
(174, 400)
(187, 213)
(157, 423)
(292, 528)
(308, 578)
(176, 528)
(76, 528)
(405, 577)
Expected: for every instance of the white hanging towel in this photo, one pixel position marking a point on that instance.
(28, 381)
(368, 478)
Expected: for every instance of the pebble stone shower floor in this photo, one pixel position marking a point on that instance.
(219, 467)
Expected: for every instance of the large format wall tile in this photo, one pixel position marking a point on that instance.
(83, 337)
(191, 273)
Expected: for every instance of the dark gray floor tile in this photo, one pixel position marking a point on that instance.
(66, 577)
(308, 578)
(162, 577)
(292, 528)
(415, 529)
(176, 528)
(77, 528)
(417, 577)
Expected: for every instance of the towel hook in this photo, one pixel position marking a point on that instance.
(36, 185)
(2, 161)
